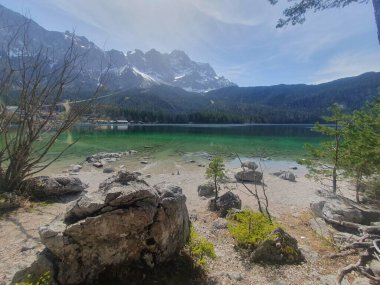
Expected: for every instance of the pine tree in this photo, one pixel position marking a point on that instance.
(325, 161)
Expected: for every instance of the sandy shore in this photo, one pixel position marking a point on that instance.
(289, 203)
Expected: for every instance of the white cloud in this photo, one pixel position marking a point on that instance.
(348, 64)
(239, 12)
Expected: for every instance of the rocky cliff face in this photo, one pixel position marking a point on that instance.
(131, 70)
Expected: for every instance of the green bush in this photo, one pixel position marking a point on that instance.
(45, 279)
(200, 249)
(249, 228)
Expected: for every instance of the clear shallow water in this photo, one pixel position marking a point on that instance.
(284, 142)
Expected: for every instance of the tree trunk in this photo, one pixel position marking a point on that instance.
(334, 178)
(376, 6)
(216, 190)
(357, 186)
(336, 158)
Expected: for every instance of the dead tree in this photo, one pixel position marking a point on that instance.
(372, 251)
(369, 242)
(36, 82)
(261, 199)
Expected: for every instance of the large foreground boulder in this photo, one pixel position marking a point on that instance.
(125, 223)
(45, 186)
(249, 176)
(282, 248)
(225, 203)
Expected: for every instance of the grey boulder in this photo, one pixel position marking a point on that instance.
(126, 222)
(45, 186)
(225, 203)
(337, 208)
(288, 175)
(206, 189)
(249, 176)
(282, 248)
(250, 165)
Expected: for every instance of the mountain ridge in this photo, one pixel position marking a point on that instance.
(128, 70)
(299, 103)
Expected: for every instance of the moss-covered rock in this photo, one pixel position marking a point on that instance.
(281, 248)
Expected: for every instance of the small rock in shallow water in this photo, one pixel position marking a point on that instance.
(144, 162)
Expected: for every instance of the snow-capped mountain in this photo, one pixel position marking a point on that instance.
(134, 69)
(177, 69)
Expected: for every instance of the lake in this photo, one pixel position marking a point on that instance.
(282, 142)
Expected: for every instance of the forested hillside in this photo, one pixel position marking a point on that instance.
(268, 104)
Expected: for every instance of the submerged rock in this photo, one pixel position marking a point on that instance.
(112, 156)
(126, 222)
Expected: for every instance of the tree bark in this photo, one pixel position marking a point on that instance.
(376, 7)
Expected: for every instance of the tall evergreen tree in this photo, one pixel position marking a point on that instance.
(325, 161)
(362, 145)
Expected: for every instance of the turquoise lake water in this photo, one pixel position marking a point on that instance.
(284, 142)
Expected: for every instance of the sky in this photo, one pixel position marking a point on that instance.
(237, 37)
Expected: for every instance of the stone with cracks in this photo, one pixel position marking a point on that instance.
(341, 209)
(206, 189)
(45, 186)
(225, 203)
(103, 155)
(282, 248)
(125, 223)
(250, 165)
(249, 176)
(338, 209)
(288, 175)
